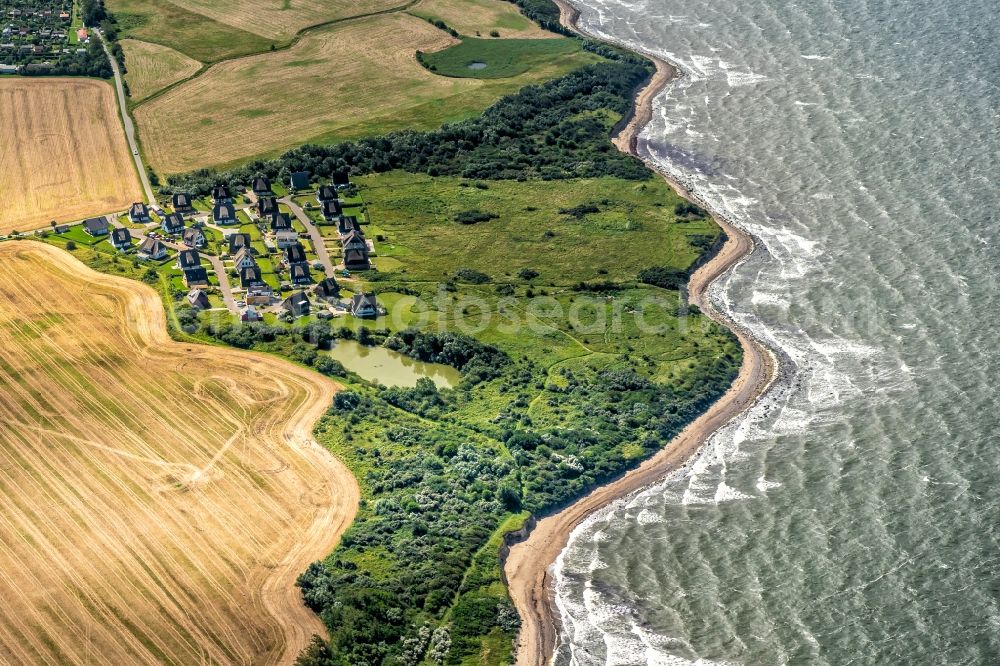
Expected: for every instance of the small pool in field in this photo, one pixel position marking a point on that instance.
(389, 368)
(477, 65)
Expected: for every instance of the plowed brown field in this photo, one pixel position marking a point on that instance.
(63, 152)
(159, 498)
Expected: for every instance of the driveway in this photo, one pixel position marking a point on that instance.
(314, 233)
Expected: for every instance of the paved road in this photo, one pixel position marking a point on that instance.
(227, 292)
(220, 272)
(317, 238)
(127, 122)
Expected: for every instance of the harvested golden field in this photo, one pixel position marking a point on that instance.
(470, 17)
(281, 20)
(152, 67)
(354, 79)
(63, 152)
(159, 499)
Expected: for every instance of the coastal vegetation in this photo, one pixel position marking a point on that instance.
(521, 248)
(72, 123)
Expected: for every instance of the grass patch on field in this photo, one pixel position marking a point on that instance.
(153, 67)
(191, 33)
(567, 231)
(497, 58)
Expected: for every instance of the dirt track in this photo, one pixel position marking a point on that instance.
(159, 498)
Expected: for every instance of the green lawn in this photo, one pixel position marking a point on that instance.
(497, 58)
(634, 227)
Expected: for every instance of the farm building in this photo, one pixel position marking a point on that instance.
(261, 186)
(364, 305)
(237, 241)
(328, 289)
(139, 213)
(341, 180)
(356, 260)
(96, 226)
(194, 237)
(244, 258)
(224, 213)
(173, 223)
(266, 207)
(121, 239)
(299, 180)
(326, 193)
(297, 304)
(198, 299)
(221, 194)
(182, 203)
(196, 277)
(152, 249)
(332, 209)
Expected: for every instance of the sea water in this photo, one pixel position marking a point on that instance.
(853, 517)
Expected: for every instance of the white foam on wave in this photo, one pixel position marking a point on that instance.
(647, 517)
(813, 56)
(763, 485)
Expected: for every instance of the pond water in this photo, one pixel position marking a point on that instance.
(477, 65)
(378, 364)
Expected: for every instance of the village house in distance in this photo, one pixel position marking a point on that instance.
(249, 251)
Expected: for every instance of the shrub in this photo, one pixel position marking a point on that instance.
(469, 276)
(474, 217)
(666, 277)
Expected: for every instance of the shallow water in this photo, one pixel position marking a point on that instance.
(390, 368)
(852, 518)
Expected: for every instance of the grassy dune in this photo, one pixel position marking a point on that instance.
(159, 498)
(355, 79)
(72, 123)
(152, 67)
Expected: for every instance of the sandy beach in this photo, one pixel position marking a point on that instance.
(528, 565)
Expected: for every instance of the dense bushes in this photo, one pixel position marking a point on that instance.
(477, 361)
(666, 277)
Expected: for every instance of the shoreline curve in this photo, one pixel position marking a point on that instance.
(528, 563)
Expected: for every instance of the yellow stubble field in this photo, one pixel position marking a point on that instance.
(159, 498)
(63, 152)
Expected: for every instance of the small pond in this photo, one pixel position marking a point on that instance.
(477, 65)
(378, 364)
